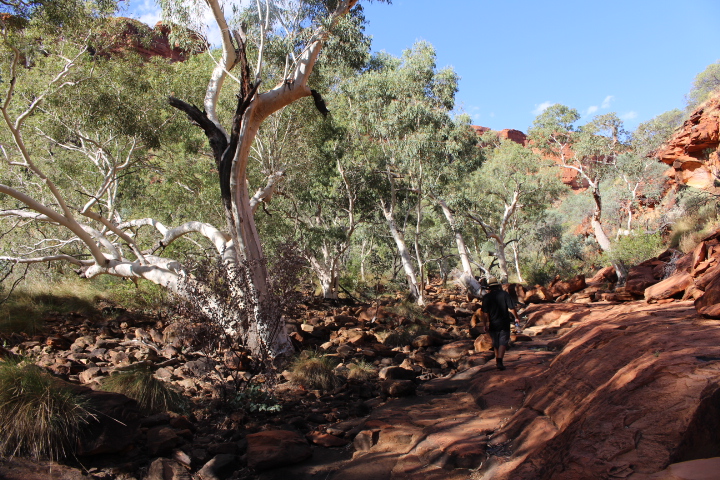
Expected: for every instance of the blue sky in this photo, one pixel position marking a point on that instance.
(637, 58)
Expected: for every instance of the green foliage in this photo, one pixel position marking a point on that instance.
(538, 272)
(635, 248)
(650, 135)
(253, 398)
(705, 84)
(314, 371)
(701, 216)
(131, 295)
(39, 416)
(139, 383)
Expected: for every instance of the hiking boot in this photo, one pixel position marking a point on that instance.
(500, 365)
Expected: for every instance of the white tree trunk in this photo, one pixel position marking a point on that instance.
(501, 258)
(459, 241)
(327, 273)
(603, 240)
(405, 257)
(517, 262)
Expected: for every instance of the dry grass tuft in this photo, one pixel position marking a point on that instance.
(362, 371)
(395, 338)
(153, 395)
(39, 416)
(314, 372)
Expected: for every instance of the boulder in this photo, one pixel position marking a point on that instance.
(398, 388)
(604, 275)
(276, 448)
(115, 427)
(166, 469)
(396, 373)
(483, 343)
(575, 284)
(644, 275)
(161, 440)
(670, 287)
(220, 467)
(538, 294)
(708, 304)
(426, 341)
(456, 350)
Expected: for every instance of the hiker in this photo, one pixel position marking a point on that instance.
(496, 305)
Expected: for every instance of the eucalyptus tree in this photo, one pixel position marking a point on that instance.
(462, 158)
(108, 244)
(704, 85)
(327, 206)
(398, 112)
(591, 152)
(513, 181)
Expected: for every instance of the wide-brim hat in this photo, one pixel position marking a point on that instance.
(493, 282)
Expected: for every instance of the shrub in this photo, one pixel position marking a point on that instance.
(538, 273)
(139, 383)
(636, 248)
(254, 399)
(39, 416)
(361, 370)
(701, 216)
(314, 371)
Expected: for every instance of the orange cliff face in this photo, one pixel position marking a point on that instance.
(692, 151)
(508, 134)
(568, 176)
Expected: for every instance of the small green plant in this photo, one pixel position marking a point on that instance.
(314, 371)
(254, 399)
(636, 248)
(361, 370)
(153, 395)
(39, 416)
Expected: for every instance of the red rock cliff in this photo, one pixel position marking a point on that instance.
(692, 151)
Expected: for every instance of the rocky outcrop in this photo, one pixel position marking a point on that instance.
(148, 42)
(506, 134)
(692, 151)
(633, 390)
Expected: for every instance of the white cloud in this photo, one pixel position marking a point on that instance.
(606, 102)
(629, 115)
(541, 108)
(592, 109)
(151, 18)
(475, 117)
